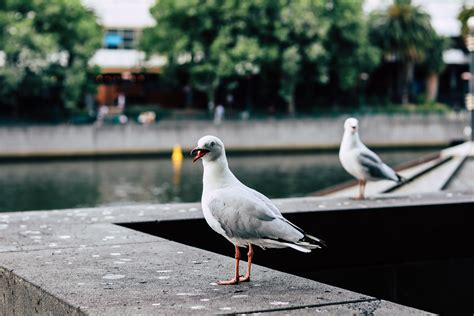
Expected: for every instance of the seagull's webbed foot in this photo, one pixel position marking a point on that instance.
(232, 281)
(245, 278)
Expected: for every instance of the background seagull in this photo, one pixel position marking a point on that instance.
(242, 215)
(360, 161)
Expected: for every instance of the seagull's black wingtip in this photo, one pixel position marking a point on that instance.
(315, 241)
(322, 243)
(400, 178)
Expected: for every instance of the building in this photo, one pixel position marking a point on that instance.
(124, 68)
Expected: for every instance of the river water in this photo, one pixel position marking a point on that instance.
(87, 183)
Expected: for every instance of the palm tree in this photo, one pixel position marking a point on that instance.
(463, 16)
(405, 34)
(434, 65)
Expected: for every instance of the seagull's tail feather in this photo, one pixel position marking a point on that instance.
(321, 243)
(305, 244)
(308, 241)
(297, 247)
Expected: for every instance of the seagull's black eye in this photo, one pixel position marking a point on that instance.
(212, 144)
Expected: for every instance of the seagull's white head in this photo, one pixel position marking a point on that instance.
(351, 125)
(209, 148)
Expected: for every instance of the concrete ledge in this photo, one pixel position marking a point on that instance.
(21, 297)
(79, 262)
(163, 278)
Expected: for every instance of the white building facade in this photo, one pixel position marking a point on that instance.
(123, 66)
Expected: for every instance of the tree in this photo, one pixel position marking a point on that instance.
(463, 16)
(47, 45)
(351, 53)
(434, 65)
(291, 66)
(300, 31)
(202, 39)
(212, 40)
(404, 33)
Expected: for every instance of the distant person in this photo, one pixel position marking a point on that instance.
(121, 100)
(101, 114)
(123, 119)
(229, 100)
(90, 104)
(219, 114)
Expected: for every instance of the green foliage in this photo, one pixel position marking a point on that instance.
(199, 38)
(463, 16)
(381, 108)
(405, 34)
(403, 31)
(291, 64)
(434, 55)
(47, 46)
(288, 44)
(348, 44)
(213, 40)
(299, 36)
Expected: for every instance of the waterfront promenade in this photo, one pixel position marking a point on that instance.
(414, 130)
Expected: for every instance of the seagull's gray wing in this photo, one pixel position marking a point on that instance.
(242, 214)
(270, 205)
(374, 166)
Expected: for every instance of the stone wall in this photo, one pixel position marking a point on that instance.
(375, 130)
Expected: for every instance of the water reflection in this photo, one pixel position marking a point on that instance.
(68, 184)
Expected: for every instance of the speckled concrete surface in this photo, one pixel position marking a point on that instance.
(80, 262)
(464, 178)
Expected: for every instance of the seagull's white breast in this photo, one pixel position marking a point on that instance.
(348, 158)
(211, 221)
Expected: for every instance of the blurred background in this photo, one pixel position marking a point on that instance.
(95, 94)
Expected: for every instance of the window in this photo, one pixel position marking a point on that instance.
(121, 38)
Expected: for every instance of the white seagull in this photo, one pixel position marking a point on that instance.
(360, 161)
(242, 215)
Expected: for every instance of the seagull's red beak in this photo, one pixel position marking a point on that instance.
(198, 153)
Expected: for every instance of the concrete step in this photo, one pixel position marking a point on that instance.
(433, 180)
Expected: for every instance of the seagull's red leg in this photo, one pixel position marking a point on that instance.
(361, 190)
(235, 279)
(246, 278)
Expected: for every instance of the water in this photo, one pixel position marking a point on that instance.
(87, 183)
